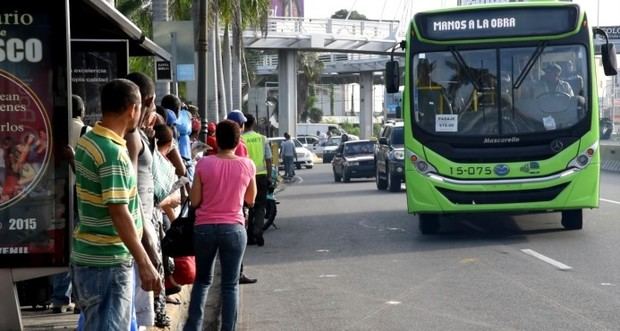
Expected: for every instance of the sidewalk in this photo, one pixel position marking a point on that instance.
(44, 320)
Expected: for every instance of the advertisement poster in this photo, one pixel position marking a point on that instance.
(93, 64)
(33, 212)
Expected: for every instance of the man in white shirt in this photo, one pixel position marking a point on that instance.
(77, 127)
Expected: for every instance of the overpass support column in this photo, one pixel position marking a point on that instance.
(287, 92)
(366, 105)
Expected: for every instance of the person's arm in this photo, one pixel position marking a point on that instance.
(250, 193)
(134, 147)
(123, 223)
(175, 157)
(268, 156)
(195, 195)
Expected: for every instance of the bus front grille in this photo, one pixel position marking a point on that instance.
(495, 197)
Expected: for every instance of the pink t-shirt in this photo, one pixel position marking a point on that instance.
(224, 182)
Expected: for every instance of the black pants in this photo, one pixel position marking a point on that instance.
(256, 216)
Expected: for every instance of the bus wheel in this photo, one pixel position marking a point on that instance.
(381, 183)
(428, 223)
(572, 219)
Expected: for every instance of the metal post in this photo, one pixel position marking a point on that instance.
(201, 48)
(174, 87)
(11, 319)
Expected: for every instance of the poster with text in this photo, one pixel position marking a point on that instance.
(33, 203)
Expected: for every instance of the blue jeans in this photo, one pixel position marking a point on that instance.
(289, 166)
(230, 241)
(104, 294)
(61, 289)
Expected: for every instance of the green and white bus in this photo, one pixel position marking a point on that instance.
(501, 111)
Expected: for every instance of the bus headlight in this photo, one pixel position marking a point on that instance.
(584, 158)
(420, 164)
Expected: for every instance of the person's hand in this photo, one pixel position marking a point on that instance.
(175, 199)
(149, 278)
(149, 132)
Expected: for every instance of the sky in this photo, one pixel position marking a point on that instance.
(608, 13)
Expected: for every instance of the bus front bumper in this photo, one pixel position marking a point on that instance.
(570, 189)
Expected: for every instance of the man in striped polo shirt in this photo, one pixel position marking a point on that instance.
(106, 241)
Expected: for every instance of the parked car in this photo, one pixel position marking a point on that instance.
(354, 159)
(390, 157)
(329, 149)
(304, 156)
(310, 142)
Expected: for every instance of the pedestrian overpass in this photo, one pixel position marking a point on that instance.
(368, 45)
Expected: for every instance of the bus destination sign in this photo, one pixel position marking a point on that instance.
(497, 23)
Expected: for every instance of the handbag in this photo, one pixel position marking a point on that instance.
(179, 239)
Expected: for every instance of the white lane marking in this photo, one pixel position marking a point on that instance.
(328, 276)
(322, 250)
(546, 259)
(607, 284)
(610, 201)
(391, 302)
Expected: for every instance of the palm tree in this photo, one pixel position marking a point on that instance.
(312, 68)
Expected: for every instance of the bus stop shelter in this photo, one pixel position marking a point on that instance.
(49, 50)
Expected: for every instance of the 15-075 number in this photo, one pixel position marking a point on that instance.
(471, 171)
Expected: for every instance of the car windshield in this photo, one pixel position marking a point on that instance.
(333, 141)
(531, 90)
(297, 143)
(359, 148)
(397, 136)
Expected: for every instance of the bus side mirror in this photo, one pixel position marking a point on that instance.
(608, 55)
(392, 76)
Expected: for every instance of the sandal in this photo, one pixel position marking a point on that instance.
(174, 301)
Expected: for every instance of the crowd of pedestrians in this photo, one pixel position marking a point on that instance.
(134, 169)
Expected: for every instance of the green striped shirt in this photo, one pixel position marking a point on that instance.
(104, 176)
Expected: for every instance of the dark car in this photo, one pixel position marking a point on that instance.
(354, 159)
(329, 149)
(390, 157)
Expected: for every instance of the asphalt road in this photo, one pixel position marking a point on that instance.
(349, 257)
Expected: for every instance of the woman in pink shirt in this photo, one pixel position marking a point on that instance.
(222, 183)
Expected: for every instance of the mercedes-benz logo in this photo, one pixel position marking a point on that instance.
(557, 145)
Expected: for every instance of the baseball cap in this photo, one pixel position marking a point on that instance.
(236, 116)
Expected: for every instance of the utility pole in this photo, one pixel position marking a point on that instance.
(201, 48)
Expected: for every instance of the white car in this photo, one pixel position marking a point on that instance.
(304, 156)
(312, 143)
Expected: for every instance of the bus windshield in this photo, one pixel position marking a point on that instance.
(531, 90)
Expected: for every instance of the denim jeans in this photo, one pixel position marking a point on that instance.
(229, 240)
(104, 294)
(61, 289)
(289, 166)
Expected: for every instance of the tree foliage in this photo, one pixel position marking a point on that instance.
(343, 13)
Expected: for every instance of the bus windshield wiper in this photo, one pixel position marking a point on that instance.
(461, 62)
(529, 65)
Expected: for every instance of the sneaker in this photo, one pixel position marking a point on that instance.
(243, 279)
(59, 309)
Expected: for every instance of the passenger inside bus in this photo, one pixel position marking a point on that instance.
(431, 96)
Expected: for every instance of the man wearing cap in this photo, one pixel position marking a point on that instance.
(238, 117)
(551, 82)
(260, 152)
(241, 151)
